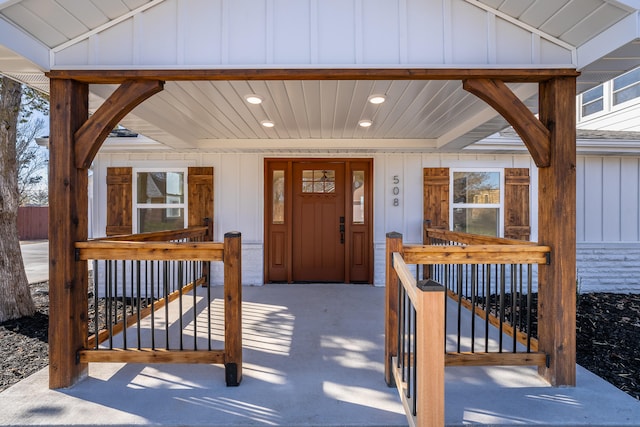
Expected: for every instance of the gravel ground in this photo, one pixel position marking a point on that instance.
(608, 333)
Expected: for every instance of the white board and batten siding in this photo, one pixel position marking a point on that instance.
(299, 33)
(608, 223)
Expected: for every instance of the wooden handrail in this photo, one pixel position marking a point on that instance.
(158, 236)
(473, 239)
(406, 277)
(476, 254)
(150, 251)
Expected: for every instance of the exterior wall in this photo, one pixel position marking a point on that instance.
(298, 33)
(608, 210)
(608, 223)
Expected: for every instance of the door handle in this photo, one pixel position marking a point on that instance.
(341, 233)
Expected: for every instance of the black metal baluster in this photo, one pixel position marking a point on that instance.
(124, 305)
(502, 291)
(138, 302)
(96, 310)
(529, 306)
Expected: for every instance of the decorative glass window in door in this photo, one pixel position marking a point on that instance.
(318, 181)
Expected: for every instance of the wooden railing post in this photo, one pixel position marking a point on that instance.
(394, 244)
(430, 353)
(233, 308)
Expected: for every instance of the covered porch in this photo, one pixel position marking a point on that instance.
(319, 364)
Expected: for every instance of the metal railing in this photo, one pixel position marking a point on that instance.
(488, 279)
(496, 280)
(147, 304)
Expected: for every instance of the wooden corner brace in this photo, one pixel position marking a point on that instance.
(91, 135)
(534, 134)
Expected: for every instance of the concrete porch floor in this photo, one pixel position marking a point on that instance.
(313, 357)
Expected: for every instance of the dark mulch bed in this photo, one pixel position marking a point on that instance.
(608, 339)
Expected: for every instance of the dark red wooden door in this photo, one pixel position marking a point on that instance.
(318, 222)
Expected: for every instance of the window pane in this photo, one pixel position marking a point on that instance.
(476, 187)
(278, 197)
(626, 79)
(476, 220)
(318, 181)
(592, 94)
(358, 197)
(160, 219)
(593, 107)
(160, 187)
(627, 94)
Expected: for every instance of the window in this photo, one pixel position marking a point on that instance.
(477, 201)
(159, 200)
(626, 87)
(278, 196)
(318, 181)
(593, 101)
(357, 191)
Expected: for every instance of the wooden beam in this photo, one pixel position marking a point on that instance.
(476, 254)
(147, 355)
(94, 131)
(498, 95)
(509, 75)
(150, 251)
(496, 359)
(68, 209)
(557, 229)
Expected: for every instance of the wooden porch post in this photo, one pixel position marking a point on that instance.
(68, 210)
(233, 308)
(557, 229)
(394, 244)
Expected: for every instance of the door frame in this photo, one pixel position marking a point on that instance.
(283, 249)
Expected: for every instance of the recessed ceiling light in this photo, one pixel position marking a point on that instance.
(253, 99)
(267, 123)
(376, 99)
(365, 123)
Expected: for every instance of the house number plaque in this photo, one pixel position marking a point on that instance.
(396, 190)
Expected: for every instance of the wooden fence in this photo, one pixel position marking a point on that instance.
(33, 222)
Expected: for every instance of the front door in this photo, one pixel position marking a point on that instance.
(318, 220)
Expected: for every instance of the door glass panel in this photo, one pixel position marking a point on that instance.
(318, 181)
(358, 196)
(278, 197)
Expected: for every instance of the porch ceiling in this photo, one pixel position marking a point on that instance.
(417, 115)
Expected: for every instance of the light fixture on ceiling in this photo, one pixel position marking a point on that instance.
(267, 123)
(376, 99)
(365, 123)
(253, 99)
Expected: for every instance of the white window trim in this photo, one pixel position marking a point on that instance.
(500, 206)
(136, 205)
